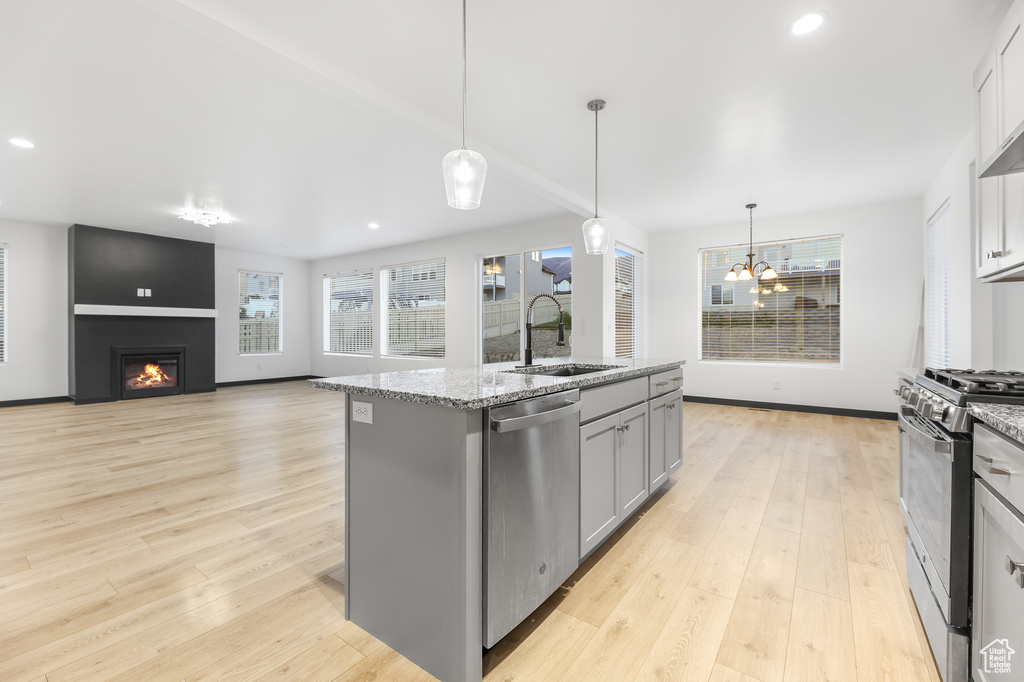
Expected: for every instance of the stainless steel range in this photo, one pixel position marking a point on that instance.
(936, 498)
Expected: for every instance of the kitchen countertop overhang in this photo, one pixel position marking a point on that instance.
(479, 386)
(1007, 419)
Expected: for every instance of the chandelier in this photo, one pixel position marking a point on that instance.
(749, 269)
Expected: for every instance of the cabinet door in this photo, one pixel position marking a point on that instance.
(1010, 71)
(658, 459)
(674, 434)
(599, 508)
(998, 586)
(988, 210)
(633, 490)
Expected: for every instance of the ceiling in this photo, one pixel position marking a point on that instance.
(305, 121)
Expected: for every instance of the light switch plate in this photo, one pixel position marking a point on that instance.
(149, 292)
(362, 412)
(141, 292)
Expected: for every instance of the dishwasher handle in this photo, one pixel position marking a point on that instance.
(517, 423)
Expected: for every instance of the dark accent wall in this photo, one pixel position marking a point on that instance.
(108, 267)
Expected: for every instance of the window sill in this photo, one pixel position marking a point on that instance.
(770, 363)
(251, 355)
(347, 355)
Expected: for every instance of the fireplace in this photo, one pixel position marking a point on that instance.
(148, 372)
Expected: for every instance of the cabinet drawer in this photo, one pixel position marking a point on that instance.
(1000, 462)
(610, 398)
(663, 382)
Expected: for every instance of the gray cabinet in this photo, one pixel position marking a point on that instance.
(613, 473)
(666, 438)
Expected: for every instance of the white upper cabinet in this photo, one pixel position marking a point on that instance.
(999, 111)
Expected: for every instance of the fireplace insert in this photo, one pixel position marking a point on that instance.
(148, 372)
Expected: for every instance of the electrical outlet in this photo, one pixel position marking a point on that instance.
(258, 366)
(362, 412)
(777, 386)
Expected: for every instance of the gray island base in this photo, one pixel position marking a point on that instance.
(415, 488)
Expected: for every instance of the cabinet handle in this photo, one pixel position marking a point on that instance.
(997, 471)
(993, 254)
(661, 383)
(677, 378)
(1012, 566)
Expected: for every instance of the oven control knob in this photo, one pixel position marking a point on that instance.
(927, 410)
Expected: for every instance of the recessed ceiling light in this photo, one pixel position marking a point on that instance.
(373, 226)
(18, 142)
(205, 219)
(807, 23)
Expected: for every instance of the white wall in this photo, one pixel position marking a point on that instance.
(882, 279)
(970, 301)
(37, 311)
(295, 319)
(592, 279)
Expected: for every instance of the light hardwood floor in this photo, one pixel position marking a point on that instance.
(200, 538)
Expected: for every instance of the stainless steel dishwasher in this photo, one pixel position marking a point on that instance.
(531, 506)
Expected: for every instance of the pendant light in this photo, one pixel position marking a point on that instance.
(749, 270)
(464, 170)
(597, 232)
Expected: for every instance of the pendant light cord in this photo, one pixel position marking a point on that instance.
(464, 117)
(595, 161)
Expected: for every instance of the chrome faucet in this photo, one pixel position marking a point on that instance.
(528, 359)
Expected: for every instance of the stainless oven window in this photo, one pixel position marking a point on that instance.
(926, 487)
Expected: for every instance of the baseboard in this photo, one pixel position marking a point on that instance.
(812, 409)
(275, 380)
(35, 401)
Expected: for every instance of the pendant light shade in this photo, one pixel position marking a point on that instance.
(464, 170)
(597, 232)
(464, 173)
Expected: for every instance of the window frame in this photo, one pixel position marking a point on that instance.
(760, 248)
(279, 318)
(638, 274)
(534, 254)
(937, 336)
(326, 303)
(387, 276)
(4, 317)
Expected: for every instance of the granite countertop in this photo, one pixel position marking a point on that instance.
(1007, 419)
(475, 387)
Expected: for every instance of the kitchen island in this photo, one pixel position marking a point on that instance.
(415, 488)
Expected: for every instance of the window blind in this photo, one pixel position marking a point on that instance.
(3, 304)
(937, 291)
(628, 304)
(259, 312)
(348, 312)
(415, 316)
(792, 318)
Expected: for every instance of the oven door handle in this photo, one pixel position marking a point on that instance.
(937, 445)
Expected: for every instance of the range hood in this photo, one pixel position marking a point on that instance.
(1009, 158)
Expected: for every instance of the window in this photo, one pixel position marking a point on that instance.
(414, 319)
(510, 282)
(794, 318)
(3, 303)
(628, 303)
(721, 294)
(259, 312)
(348, 312)
(937, 290)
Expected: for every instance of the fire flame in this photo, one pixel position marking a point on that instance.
(151, 376)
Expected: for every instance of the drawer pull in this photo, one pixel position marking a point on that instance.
(677, 378)
(993, 254)
(1020, 580)
(661, 383)
(1012, 566)
(983, 458)
(997, 471)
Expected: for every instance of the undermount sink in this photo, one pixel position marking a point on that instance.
(567, 370)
